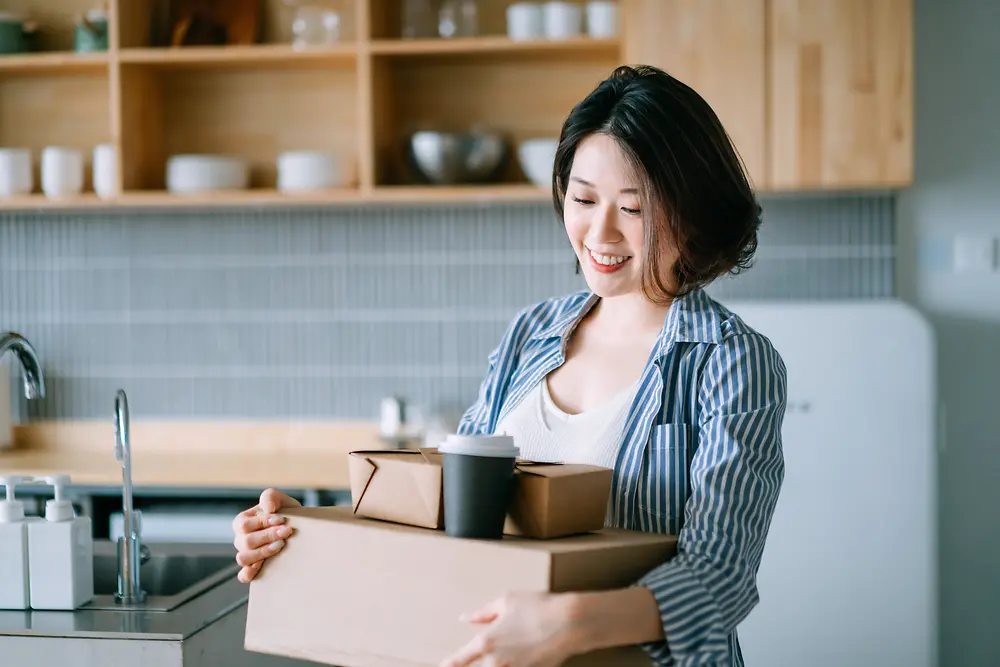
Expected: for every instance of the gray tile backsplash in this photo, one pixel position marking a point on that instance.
(319, 313)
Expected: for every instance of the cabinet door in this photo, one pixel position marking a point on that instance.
(718, 48)
(841, 107)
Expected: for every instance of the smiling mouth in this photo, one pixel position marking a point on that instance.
(607, 263)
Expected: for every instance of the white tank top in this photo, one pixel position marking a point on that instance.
(543, 432)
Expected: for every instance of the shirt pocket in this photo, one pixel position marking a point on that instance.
(665, 483)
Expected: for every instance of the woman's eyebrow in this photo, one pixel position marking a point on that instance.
(629, 191)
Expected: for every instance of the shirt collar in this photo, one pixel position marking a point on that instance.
(691, 318)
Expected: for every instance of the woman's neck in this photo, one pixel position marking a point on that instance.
(629, 314)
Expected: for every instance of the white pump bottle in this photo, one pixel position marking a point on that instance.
(14, 591)
(60, 553)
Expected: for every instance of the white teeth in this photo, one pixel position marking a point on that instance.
(606, 260)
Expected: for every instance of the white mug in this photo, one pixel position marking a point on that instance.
(105, 170)
(62, 171)
(602, 19)
(563, 20)
(525, 21)
(16, 175)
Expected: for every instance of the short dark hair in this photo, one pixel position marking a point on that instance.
(695, 192)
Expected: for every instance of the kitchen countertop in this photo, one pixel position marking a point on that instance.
(304, 470)
(240, 454)
(175, 625)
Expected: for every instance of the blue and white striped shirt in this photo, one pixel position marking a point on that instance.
(700, 456)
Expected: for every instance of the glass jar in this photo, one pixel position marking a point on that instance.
(315, 27)
(419, 19)
(458, 18)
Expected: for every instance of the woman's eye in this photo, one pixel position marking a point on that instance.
(582, 201)
(631, 211)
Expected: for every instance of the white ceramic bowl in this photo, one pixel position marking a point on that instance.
(301, 171)
(188, 174)
(537, 158)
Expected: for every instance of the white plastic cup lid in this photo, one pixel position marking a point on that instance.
(500, 446)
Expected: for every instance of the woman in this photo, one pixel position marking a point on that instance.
(642, 373)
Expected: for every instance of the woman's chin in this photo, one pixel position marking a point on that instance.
(610, 286)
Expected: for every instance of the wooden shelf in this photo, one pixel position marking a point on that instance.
(61, 108)
(362, 98)
(247, 57)
(252, 197)
(457, 94)
(41, 202)
(430, 194)
(255, 113)
(36, 64)
(269, 197)
(495, 45)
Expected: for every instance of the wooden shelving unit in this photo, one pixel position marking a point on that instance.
(364, 96)
(359, 98)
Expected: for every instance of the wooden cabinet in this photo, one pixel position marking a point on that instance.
(816, 94)
(718, 48)
(840, 78)
(360, 98)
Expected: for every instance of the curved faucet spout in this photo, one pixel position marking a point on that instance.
(31, 370)
(131, 550)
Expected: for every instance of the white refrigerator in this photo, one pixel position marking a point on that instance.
(848, 576)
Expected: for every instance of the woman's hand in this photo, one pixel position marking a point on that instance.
(260, 532)
(522, 630)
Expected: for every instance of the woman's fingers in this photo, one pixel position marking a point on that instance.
(272, 500)
(258, 522)
(262, 538)
(248, 572)
(251, 556)
(260, 533)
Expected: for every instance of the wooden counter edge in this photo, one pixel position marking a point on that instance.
(202, 454)
(216, 436)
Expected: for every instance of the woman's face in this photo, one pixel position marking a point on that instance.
(603, 219)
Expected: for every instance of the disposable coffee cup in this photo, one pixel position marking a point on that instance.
(478, 476)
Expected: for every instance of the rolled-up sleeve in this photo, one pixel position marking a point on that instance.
(736, 472)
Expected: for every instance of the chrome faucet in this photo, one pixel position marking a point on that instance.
(31, 370)
(132, 553)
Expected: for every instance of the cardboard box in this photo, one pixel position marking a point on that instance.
(359, 592)
(397, 485)
(549, 499)
(557, 500)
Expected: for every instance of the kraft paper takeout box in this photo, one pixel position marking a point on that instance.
(360, 592)
(548, 500)
(556, 500)
(397, 485)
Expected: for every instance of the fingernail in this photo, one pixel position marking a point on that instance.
(277, 545)
(284, 531)
(274, 520)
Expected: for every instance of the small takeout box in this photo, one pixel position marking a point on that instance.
(549, 500)
(402, 485)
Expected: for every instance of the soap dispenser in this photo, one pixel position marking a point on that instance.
(60, 554)
(14, 592)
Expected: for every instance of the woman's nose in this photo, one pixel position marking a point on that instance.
(604, 225)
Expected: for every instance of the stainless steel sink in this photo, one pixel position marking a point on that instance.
(173, 574)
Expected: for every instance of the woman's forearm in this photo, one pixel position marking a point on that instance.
(623, 617)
